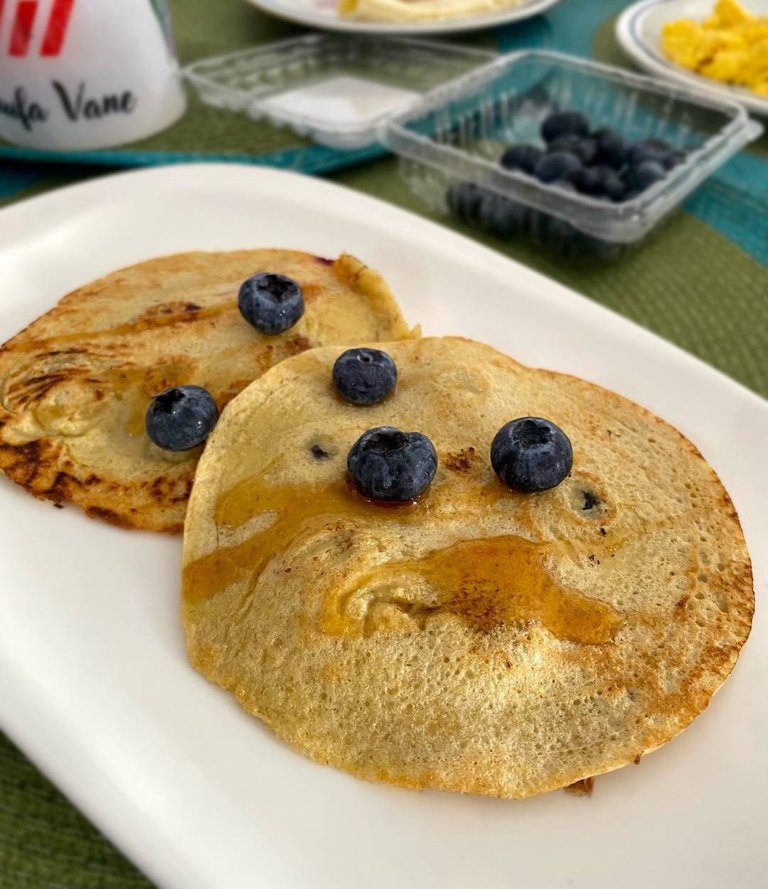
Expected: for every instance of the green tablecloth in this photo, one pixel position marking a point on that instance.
(701, 282)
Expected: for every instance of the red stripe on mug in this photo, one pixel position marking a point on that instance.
(56, 31)
(21, 31)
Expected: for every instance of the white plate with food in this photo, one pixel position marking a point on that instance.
(640, 28)
(95, 685)
(416, 17)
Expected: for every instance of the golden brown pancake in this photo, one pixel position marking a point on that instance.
(75, 385)
(478, 640)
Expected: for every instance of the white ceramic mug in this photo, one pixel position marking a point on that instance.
(80, 74)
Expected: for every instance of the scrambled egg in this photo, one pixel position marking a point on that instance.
(730, 46)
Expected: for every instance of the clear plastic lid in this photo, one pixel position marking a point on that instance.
(337, 90)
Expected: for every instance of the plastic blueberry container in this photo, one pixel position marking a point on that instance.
(457, 133)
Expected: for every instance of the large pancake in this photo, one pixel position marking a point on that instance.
(479, 640)
(75, 385)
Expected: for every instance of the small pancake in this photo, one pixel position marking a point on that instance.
(76, 384)
(479, 640)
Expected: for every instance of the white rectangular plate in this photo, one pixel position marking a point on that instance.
(94, 684)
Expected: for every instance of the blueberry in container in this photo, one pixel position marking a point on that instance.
(648, 147)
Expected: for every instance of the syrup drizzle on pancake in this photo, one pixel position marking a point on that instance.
(485, 582)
